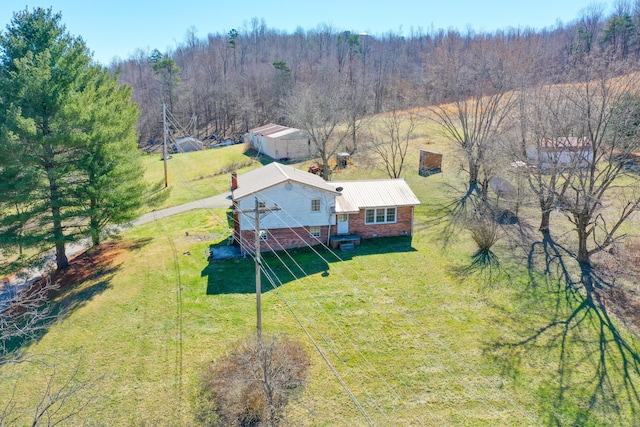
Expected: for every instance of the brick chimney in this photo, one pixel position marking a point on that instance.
(234, 180)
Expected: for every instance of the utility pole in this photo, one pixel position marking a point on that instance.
(258, 263)
(257, 211)
(164, 143)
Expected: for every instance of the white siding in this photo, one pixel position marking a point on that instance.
(294, 200)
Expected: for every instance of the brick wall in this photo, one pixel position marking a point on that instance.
(283, 238)
(402, 226)
(288, 238)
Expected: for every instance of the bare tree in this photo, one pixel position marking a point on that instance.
(25, 317)
(253, 384)
(321, 111)
(548, 118)
(473, 91)
(391, 140)
(600, 195)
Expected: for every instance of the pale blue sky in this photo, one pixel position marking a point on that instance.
(118, 27)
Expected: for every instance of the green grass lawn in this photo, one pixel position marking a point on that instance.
(199, 174)
(416, 332)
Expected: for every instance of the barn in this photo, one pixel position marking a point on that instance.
(279, 142)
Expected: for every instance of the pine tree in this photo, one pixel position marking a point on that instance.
(70, 130)
(113, 190)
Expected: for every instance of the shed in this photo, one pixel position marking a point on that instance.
(430, 163)
(187, 144)
(279, 142)
(342, 160)
(562, 152)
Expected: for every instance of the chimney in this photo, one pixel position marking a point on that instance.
(234, 180)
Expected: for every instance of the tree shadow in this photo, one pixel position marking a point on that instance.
(55, 297)
(597, 371)
(238, 275)
(484, 265)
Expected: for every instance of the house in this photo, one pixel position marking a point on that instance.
(279, 142)
(299, 209)
(563, 152)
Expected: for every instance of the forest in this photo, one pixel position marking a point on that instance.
(228, 83)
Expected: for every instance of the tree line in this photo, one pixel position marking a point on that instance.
(240, 79)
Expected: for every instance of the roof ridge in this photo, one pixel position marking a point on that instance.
(282, 171)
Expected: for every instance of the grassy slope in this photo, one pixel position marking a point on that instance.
(195, 175)
(416, 334)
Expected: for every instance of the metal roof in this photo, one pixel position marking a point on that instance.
(273, 131)
(274, 174)
(284, 132)
(373, 193)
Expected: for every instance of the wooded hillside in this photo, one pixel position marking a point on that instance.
(242, 79)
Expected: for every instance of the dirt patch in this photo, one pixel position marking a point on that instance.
(89, 264)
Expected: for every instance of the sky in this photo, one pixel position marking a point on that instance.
(117, 28)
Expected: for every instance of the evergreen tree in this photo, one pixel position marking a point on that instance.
(113, 189)
(70, 131)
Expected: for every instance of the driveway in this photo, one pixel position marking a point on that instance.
(219, 201)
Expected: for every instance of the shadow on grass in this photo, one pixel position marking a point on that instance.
(597, 364)
(254, 155)
(238, 275)
(485, 265)
(55, 297)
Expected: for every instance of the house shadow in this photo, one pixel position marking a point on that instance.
(238, 275)
(53, 298)
(569, 322)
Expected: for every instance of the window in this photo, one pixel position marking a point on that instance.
(370, 216)
(315, 205)
(263, 235)
(380, 216)
(391, 214)
(314, 231)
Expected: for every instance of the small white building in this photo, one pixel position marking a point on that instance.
(187, 144)
(569, 151)
(279, 142)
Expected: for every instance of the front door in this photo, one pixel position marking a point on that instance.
(343, 223)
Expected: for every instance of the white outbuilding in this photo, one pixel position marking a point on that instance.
(279, 142)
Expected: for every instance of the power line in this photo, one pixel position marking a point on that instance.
(324, 356)
(338, 328)
(332, 349)
(439, 342)
(431, 336)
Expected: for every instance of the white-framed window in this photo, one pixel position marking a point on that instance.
(315, 205)
(263, 235)
(314, 231)
(380, 216)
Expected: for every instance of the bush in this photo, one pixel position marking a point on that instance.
(253, 383)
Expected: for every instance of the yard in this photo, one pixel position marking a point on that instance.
(416, 332)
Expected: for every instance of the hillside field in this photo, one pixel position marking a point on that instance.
(419, 331)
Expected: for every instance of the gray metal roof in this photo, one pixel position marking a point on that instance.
(373, 193)
(273, 130)
(274, 174)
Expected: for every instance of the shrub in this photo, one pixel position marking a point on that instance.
(253, 383)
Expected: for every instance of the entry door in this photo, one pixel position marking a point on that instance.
(343, 223)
